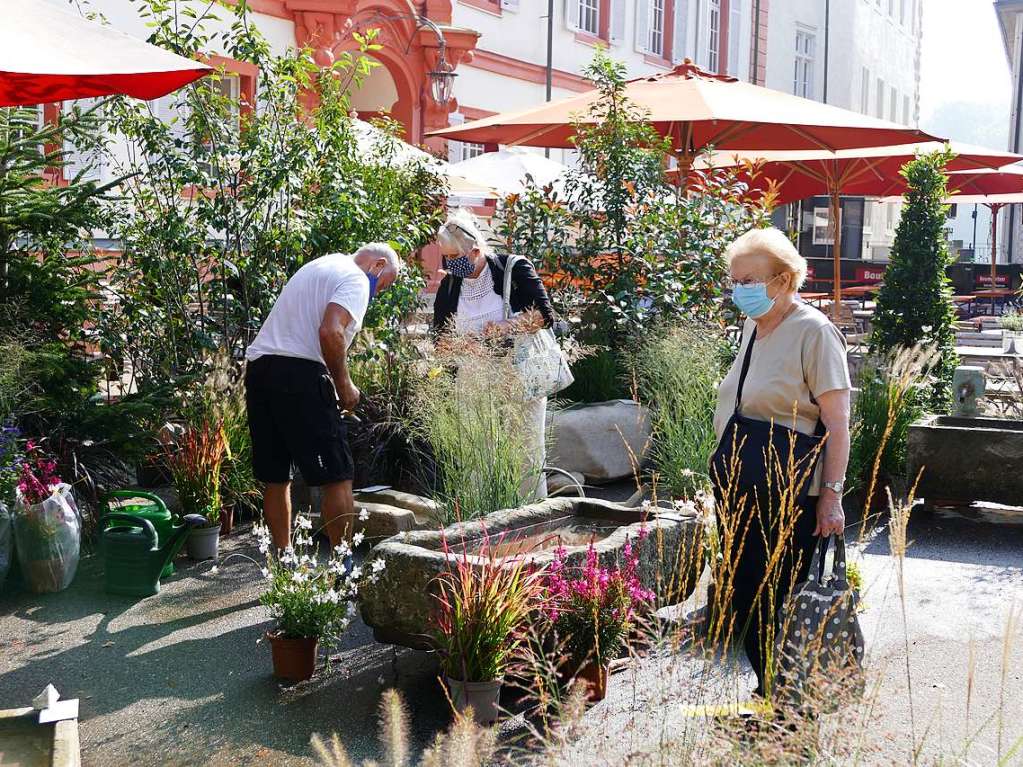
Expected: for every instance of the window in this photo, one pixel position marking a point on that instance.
(822, 234)
(905, 111)
(227, 86)
(25, 120)
(714, 41)
(589, 16)
(893, 113)
(656, 42)
(803, 77)
(464, 150)
(865, 92)
(880, 98)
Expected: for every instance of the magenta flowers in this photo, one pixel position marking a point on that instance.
(37, 475)
(593, 608)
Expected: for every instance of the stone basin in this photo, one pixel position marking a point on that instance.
(399, 606)
(967, 459)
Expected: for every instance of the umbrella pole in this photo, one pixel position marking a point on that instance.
(994, 244)
(836, 250)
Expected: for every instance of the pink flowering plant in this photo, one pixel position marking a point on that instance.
(594, 608)
(307, 596)
(37, 475)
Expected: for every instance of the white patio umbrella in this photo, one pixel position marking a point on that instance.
(506, 170)
(371, 140)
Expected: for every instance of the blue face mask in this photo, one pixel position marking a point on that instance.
(373, 279)
(752, 299)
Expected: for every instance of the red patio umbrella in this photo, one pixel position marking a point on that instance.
(868, 172)
(48, 54)
(993, 189)
(698, 109)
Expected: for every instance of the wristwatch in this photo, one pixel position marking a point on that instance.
(837, 487)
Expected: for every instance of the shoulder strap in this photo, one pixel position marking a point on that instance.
(509, 265)
(745, 368)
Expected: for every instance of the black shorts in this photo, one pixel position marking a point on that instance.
(294, 419)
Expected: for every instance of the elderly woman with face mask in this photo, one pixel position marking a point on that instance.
(791, 373)
(471, 297)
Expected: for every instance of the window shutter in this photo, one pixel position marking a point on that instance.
(509, 5)
(618, 8)
(572, 14)
(735, 11)
(86, 162)
(678, 33)
(642, 25)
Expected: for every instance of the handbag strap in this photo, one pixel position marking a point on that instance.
(839, 577)
(509, 265)
(745, 368)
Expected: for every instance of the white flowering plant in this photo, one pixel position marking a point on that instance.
(308, 597)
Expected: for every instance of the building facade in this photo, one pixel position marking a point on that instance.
(1010, 19)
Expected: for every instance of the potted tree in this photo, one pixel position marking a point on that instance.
(310, 600)
(195, 462)
(483, 605)
(592, 611)
(1012, 332)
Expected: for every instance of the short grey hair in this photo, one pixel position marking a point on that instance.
(462, 232)
(384, 251)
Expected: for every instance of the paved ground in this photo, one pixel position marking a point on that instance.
(181, 679)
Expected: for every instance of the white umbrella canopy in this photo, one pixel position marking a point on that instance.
(506, 170)
(379, 144)
(48, 54)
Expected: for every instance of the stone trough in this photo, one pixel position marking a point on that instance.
(967, 459)
(399, 606)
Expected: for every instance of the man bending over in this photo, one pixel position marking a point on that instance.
(297, 384)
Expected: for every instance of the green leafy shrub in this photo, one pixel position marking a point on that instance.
(892, 396)
(677, 373)
(1012, 320)
(915, 303)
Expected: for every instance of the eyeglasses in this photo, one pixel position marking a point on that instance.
(730, 283)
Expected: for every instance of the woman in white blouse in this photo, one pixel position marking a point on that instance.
(471, 296)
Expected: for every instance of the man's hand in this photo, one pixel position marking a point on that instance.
(830, 514)
(349, 394)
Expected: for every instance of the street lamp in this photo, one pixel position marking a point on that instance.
(442, 78)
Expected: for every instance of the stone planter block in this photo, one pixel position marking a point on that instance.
(600, 441)
(400, 605)
(967, 459)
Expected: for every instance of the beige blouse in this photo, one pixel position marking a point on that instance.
(804, 356)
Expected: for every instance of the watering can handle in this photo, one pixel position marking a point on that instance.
(134, 494)
(134, 521)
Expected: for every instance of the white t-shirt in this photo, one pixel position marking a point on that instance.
(293, 327)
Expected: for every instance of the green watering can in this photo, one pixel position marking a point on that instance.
(153, 509)
(133, 558)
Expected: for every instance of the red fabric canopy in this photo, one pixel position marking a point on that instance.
(48, 54)
(698, 109)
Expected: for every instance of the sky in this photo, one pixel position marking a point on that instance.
(965, 88)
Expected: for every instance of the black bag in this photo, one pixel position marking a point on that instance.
(762, 462)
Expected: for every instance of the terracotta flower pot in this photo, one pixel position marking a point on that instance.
(226, 520)
(594, 676)
(293, 659)
(481, 697)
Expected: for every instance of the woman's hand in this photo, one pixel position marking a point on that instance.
(830, 514)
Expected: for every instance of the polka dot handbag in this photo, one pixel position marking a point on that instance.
(819, 644)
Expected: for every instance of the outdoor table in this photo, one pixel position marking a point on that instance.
(814, 298)
(861, 292)
(965, 300)
(994, 294)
